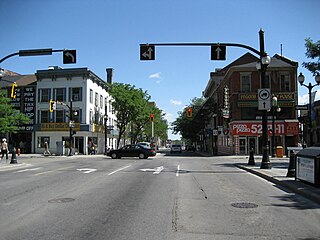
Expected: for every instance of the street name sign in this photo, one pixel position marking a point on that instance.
(218, 52)
(147, 52)
(69, 56)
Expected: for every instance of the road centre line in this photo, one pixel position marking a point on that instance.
(118, 170)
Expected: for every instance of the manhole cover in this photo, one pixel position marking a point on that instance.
(244, 205)
(61, 200)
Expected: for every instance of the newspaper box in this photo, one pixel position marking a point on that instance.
(308, 165)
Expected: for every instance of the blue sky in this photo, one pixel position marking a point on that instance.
(107, 33)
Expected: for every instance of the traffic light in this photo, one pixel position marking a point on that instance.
(151, 117)
(189, 112)
(52, 105)
(14, 90)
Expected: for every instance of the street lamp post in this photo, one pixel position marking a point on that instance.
(275, 108)
(70, 127)
(301, 79)
(263, 64)
(105, 129)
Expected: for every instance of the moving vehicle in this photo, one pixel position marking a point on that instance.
(132, 150)
(176, 148)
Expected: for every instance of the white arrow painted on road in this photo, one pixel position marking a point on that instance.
(156, 170)
(87, 170)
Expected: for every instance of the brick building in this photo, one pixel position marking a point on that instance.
(232, 122)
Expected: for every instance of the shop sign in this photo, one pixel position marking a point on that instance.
(59, 127)
(255, 128)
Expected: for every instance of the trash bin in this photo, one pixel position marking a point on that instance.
(279, 151)
(308, 165)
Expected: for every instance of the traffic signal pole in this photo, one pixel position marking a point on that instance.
(147, 52)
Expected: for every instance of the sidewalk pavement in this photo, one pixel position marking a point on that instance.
(278, 175)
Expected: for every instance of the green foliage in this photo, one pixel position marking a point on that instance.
(10, 118)
(132, 109)
(313, 52)
(189, 127)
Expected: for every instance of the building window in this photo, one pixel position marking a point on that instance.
(96, 100)
(91, 116)
(44, 116)
(59, 94)
(91, 96)
(285, 82)
(75, 94)
(101, 101)
(245, 82)
(44, 95)
(60, 116)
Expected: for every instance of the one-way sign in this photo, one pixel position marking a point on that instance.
(218, 52)
(147, 52)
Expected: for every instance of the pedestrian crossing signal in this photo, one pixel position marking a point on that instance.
(189, 112)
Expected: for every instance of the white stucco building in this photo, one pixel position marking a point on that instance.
(91, 108)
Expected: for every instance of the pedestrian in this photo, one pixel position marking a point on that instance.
(46, 149)
(4, 149)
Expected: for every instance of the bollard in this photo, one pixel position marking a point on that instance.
(251, 158)
(14, 157)
(292, 165)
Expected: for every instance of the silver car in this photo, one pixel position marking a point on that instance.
(176, 148)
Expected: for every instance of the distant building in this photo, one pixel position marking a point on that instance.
(231, 119)
(91, 108)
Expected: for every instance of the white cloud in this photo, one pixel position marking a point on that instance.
(156, 75)
(175, 102)
(304, 99)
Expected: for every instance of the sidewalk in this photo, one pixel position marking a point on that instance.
(278, 175)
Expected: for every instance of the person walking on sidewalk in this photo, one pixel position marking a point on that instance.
(46, 149)
(4, 149)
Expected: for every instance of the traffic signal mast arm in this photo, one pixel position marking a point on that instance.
(205, 44)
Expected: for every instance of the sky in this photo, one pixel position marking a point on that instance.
(107, 34)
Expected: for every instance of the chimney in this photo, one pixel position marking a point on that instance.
(109, 75)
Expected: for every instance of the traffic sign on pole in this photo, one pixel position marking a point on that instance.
(147, 52)
(69, 56)
(218, 52)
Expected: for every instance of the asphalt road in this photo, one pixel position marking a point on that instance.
(172, 196)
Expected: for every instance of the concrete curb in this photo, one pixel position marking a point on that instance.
(298, 187)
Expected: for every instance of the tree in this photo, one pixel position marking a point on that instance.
(128, 103)
(10, 118)
(186, 126)
(313, 52)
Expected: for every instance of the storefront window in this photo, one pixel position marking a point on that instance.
(42, 140)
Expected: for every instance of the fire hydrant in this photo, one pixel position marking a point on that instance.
(18, 151)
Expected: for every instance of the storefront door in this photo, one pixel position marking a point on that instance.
(252, 144)
(242, 145)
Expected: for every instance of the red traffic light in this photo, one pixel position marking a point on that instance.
(189, 112)
(151, 117)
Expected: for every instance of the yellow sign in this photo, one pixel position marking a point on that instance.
(59, 127)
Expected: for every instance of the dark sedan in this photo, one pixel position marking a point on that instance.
(132, 150)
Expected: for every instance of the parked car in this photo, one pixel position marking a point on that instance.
(132, 150)
(146, 144)
(176, 148)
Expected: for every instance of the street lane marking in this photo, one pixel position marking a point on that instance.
(87, 170)
(178, 170)
(28, 169)
(120, 169)
(38, 174)
(156, 170)
(55, 170)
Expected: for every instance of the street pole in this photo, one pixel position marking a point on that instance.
(105, 128)
(310, 87)
(265, 164)
(70, 127)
